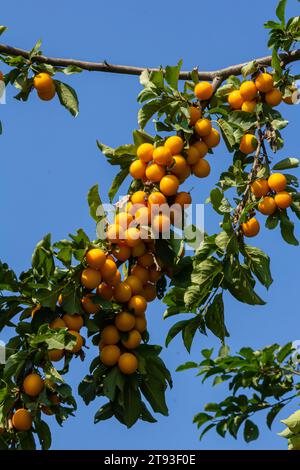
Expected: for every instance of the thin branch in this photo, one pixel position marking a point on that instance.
(251, 177)
(104, 66)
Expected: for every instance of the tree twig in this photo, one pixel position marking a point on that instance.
(251, 177)
(104, 66)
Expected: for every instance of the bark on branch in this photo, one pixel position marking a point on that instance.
(286, 58)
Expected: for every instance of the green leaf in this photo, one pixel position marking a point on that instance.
(214, 318)
(202, 277)
(71, 69)
(227, 242)
(242, 120)
(249, 68)
(87, 389)
(276, 63)
(210, 426)
(42, 258)
(295, 207)
(251, 431)
(172, 75)
(2, 29)
(279, 124)
(14, 364)
(228, 133)
(8, 279)
(26, 440)
(95, 203)
(286, 164)
(105, 412)
(280, 11)
(146, 415)
(259, 263)
(287, 229)
(35, 50)
(241, 284)
(175, 329)
(148, 110)
(118, 180)
(132, 404)
(273, 413)
(140, 137)
(151, 388)
(113, 382)
(216, 197)
(67, 97)
(201, 418)
(44, 434)
(182, 272)
(190, 330)
(272, 221)
(165, 250)
(186, 366)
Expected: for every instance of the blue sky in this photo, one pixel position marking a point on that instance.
(49, 160)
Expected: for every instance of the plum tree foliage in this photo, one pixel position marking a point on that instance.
(78, 281)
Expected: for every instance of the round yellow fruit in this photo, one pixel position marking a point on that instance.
(251, 227)
(169, 185)
(79, 341)
(162, 156)
(110, 355)
(249, 106)
(201, 169)
(55, 355)
(125, 321)
(122, 292)
(212, 139)
(155, 172)
(195, 114)
(145, 152)
(267, 206)
(260, 188)
(73, 322)
(110, 335)
(264, 82)
(137, 304)
(128, 363)
(203, 91)
(33, 384)
(235, 100)
(90, 278)
(133, 341)
(248, 90)
(137, 169)
(174, 144)
(283, 199)
(248, 143)
(273, 97)
(95, 258)
(22, 420)
(203, 127)
(277, 182)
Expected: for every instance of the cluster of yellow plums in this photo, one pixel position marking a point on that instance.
(252, 92)
(122, 333)
(32, 386)
(73, 323)
(272, 197)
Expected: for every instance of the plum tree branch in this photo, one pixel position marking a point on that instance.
(104, 66)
